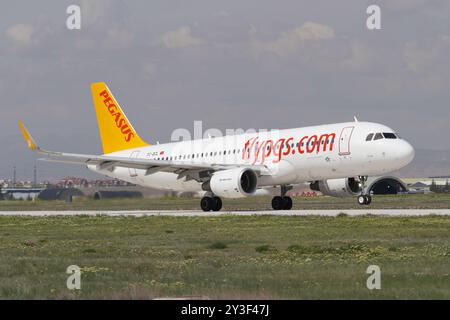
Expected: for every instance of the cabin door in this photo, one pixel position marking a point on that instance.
(344, 141)
(132, 171)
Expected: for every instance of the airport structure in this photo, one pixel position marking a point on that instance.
(20, 193)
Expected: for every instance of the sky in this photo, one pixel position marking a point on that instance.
(231, 64)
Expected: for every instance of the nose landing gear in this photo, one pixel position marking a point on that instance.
(363, 198)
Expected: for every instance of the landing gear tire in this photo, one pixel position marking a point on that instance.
(364, 199)
(277, 203)
(281, 203)
(211, 204)
(217, 204)
(287, 203)
(206, 204)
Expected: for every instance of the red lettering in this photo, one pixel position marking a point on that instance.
(125, 129)
(261, 150)
(324, 139)
(129, 136)
(311, 144)
(277, 150)
(104, 94)
(300, 145)
(257, 150)
(288, 145)
(120, 121)
(118, 118)
(112, 108)
(248, 148)
(268, 145)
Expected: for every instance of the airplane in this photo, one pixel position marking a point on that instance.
(335, 159)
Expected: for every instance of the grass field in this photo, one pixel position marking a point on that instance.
(419, 201)
(225, 257)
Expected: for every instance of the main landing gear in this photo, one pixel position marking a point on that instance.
(364, 199)
(282, 202)
(211, 203)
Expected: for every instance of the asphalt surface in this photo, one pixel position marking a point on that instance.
(198, 213)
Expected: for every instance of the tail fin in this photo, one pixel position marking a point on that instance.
(32, 145)
(116, 131)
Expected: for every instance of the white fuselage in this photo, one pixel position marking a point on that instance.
(291, 156)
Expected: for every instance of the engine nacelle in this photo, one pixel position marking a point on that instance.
(345, 187)
(232, 183)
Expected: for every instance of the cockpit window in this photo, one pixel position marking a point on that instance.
(369, 137)
(378, 136)
(389, 135)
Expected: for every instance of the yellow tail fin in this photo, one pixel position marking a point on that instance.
(30, 141)
(116, 131)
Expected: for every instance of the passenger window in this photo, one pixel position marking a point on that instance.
(389, 135)
(369, 137)
(378, 136)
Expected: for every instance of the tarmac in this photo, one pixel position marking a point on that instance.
(199, 213)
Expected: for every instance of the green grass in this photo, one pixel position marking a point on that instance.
(258, 257)
(419, 201)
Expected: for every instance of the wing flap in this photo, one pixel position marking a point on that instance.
(152, 166)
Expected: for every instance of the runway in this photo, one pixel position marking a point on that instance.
(198, 213)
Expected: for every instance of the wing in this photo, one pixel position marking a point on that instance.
(104, 162)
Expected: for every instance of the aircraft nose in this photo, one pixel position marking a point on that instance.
(406, 152)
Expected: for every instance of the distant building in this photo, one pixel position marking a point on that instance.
(20, 193)
(419, 187)
(424, 185)
(59, 194)
(75, 182)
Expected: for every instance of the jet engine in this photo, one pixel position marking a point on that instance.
(232, 183)
(345, 187)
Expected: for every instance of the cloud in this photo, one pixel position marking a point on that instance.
(362, 57)
(92, 11)
(288, 42)
(20, 34)
(149, 71)
(404, 5)
(420, 58)
(119, 38)
(180, 38)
